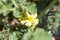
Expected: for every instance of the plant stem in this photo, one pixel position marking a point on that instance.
(47, 9)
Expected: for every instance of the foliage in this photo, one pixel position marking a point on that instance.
(39, 34)
(53, 22)
(19, 20)
(17, 7)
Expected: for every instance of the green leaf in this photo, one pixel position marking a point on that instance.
(30, 7)
(13, 36)
(5, 1)
(17, 13)
(2, 7)
(5, 13)
(39, 34)
(9, 6)
(22, 1)
(27, 35)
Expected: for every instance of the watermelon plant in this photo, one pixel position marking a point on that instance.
(19, 20)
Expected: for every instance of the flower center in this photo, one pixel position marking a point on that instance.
(30, 18)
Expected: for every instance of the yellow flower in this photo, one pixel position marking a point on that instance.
(29, 19)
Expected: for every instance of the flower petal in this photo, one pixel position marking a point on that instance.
(36, 21)
(27, 14)
(34, 15)
(22, 22)
(28, 24)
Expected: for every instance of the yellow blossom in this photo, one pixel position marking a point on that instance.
(29, 19)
